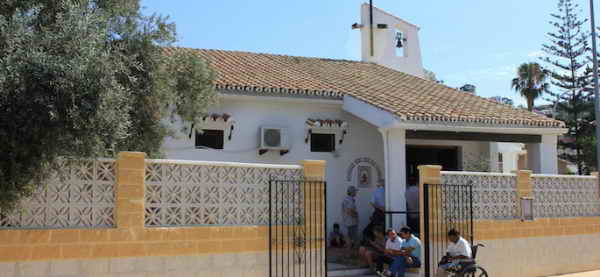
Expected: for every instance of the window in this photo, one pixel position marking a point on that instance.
(210, 139)
(322, 142)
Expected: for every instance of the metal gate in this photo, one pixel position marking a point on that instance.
(446, 206)
(297, 228)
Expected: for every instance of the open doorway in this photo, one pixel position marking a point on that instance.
(446, 156)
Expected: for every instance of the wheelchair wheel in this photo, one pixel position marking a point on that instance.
(473, 271)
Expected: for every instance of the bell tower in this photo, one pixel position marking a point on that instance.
(389, 41)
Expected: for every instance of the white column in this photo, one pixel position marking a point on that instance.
(543, 157)
(394, 141)
(494, 150)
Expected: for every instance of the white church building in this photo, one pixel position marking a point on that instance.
(374, 119)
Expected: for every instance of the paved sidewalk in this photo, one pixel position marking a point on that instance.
(582, 274)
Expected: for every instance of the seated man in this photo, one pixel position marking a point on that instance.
(410, 253)
(373, 249)
(459, 250)
(392, 249)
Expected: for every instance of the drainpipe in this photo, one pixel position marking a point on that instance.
(386, 161)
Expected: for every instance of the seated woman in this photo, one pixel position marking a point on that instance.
(373, 249)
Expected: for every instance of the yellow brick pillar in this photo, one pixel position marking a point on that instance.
(131, 170)
(524, 187)
(428, 174)
(314, 205)
(314, 170)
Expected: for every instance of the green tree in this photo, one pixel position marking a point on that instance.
(430, 75)
(530, 83)
(87, 78)
(568, 54)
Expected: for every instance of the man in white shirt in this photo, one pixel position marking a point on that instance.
(459, 249)
(393, 247)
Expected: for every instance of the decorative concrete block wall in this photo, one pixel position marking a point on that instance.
(566, 210)
(80, 194)
(132, 249)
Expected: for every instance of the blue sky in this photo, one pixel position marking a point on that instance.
(463, 41)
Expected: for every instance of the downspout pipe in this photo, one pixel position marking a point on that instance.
(386, 160)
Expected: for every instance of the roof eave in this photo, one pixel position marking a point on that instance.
(496, 129)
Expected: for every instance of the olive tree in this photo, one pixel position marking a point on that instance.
(85, 78)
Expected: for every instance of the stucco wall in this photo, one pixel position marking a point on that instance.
(362, 141)
(384, 43)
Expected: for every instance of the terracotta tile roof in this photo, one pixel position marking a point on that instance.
(409, 97)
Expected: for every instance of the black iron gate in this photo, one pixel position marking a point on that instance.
(297, 228)
(446, 207)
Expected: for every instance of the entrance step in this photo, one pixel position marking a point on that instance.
(362, 273)
(349, 272)
(371, 275)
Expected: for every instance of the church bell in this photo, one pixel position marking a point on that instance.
(399, 40)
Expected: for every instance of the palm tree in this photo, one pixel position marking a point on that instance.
(530, 82)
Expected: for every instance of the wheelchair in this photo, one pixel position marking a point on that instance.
(469, 268)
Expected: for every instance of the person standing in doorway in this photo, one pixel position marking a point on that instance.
(412, 204)
(350, 216)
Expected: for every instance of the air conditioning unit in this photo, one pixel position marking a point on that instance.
(273, 138)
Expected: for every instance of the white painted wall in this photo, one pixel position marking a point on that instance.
(384, 43)
(369, 113)
(395, 159)
(543, 157)
(510, 156)
(362, 140)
